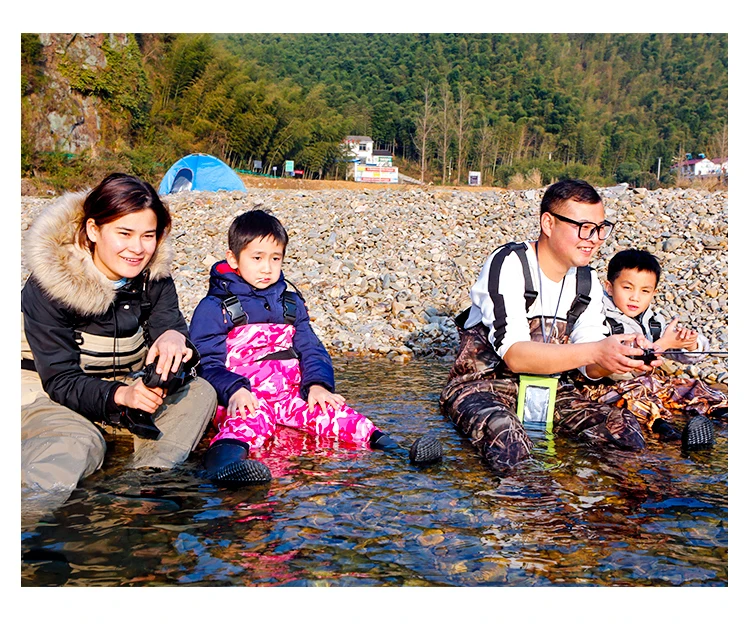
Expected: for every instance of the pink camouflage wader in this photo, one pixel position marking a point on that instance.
(276, 384)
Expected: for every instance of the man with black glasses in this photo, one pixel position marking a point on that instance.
(536, 317)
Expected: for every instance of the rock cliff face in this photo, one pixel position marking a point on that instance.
(75, 107)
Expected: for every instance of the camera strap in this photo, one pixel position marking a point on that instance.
(146, 304)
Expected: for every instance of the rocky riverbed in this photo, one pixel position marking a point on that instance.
(384, 271)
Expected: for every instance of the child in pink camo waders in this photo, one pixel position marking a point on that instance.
(265, 362)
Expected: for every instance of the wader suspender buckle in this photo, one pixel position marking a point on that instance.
(617, 327)
(653, 326)
(232, 306)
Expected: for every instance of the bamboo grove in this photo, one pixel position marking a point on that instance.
(602, 106)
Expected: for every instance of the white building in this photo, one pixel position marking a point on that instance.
(359, 147)
(367, 165)
(702, 167)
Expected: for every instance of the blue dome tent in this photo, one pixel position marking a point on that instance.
(199, 172)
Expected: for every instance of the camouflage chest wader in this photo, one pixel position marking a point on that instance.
(481, 394)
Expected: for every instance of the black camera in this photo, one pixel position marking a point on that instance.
(140, 422)
(647, 357)
(173, 382)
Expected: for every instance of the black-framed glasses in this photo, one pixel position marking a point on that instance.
(586, 230)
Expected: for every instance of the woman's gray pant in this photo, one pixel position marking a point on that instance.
(60, 447)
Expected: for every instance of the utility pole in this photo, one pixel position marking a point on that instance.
(658, 171)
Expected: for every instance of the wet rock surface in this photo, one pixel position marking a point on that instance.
(384, 272)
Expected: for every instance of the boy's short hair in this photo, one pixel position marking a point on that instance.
(252, 225)
(633, 259)
(569, 189)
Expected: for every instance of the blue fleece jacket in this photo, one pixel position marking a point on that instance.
(210, 326)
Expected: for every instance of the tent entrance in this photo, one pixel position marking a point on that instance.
(183, 182)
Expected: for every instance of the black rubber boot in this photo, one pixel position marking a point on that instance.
(665, 430)
(698, 433)
(227, 464)
(425, 450)
(382, 442)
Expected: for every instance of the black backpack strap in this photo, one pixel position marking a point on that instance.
(582, 299)
(617, 327)
(655, 328)
(233, 308)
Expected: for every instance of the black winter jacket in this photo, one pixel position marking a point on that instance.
(72, 314)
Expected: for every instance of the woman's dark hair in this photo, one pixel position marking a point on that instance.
(633, 259)
(569, 189)
(118, 195)
(252, 225)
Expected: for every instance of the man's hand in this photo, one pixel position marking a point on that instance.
(171, 348)
(318, 395)
(612, 355)
(244, 401)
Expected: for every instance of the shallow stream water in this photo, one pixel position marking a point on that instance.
(573, 515)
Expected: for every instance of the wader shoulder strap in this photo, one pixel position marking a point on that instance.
(582, 299)
(655, 328)
(493, 286)
(290, 307)
(529, 293)
(617, 327)
(493, 282)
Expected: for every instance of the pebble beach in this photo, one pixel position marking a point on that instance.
(384, 271)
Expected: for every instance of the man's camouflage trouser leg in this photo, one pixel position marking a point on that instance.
(480, 399)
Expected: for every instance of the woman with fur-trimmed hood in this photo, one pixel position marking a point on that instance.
(100, 304)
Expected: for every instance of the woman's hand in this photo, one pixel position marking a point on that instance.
(171, 348)
(138, 396)
(242, 399)
(318, 395)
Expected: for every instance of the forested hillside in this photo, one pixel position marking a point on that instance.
(602, 106)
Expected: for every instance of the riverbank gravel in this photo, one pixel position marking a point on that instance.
(384, 271)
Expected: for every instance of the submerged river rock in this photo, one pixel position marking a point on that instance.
(384, 271)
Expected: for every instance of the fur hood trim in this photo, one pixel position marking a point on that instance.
(65, 271)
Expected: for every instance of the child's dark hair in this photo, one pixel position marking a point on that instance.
(633, 259)
(252, 225)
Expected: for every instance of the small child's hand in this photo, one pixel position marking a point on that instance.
(678, 337)
(242, 399)
(318, 395)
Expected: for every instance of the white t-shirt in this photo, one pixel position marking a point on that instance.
(504, 310)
